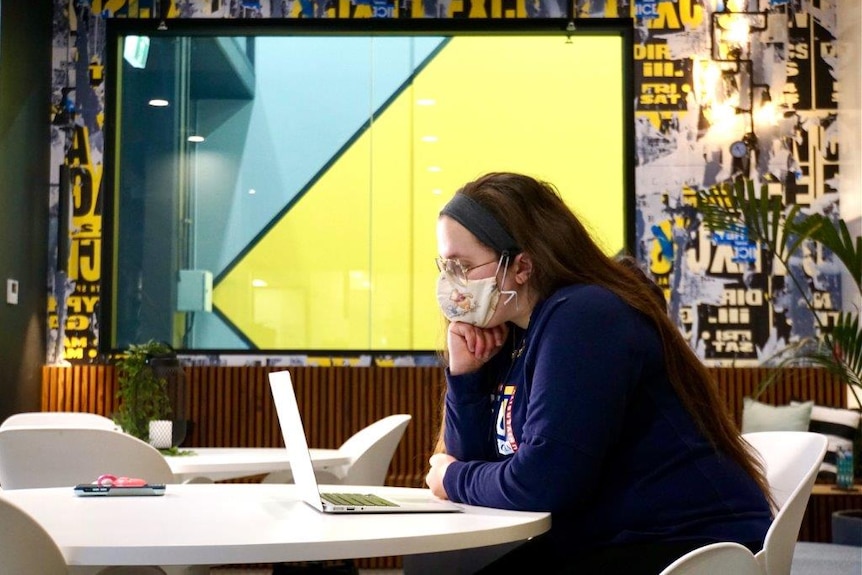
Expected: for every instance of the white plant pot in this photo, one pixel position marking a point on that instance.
(161, 433)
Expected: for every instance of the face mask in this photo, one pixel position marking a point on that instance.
(473, 303)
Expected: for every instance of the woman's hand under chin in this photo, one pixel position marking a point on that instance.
(470, 347)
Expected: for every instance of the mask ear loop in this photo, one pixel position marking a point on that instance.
(510, 293)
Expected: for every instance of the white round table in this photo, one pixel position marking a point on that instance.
(221, 463)
(219, 524)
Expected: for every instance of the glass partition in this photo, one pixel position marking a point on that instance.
(283, 194)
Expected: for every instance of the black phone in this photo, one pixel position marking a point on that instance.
(93, 489)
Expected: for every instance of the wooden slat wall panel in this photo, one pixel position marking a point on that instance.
(796, 384)
(232, 406)
(79, 388)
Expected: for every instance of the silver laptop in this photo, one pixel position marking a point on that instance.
(293, 434)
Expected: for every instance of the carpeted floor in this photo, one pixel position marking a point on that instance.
(826, 559)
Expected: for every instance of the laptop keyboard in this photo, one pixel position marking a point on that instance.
(367, 500)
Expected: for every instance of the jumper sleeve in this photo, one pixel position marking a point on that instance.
(468, 417)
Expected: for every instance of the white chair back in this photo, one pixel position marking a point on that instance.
(791, 459)
(369, 452)
(58, 419)
(65, 456)
(371, 449)
(725, 558)
(25, 547)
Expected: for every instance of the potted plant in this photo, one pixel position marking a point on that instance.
(786, 235)
(142, 392)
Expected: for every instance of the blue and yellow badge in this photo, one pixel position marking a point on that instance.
(506, 444)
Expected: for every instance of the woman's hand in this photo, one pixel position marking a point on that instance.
(439, 462)
(470, 346)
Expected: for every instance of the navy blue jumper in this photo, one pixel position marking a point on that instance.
(580, 419)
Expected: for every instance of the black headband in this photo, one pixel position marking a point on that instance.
(480, 223)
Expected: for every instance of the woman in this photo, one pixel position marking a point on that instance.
(570, 391)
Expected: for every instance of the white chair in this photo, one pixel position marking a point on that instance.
(27, 549)
(369, 451)
(791, 460)
(58, 419)
(725, 558)
(65, 456)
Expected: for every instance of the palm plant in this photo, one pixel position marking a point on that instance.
(784, 233)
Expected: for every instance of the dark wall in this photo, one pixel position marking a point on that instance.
(25, 96)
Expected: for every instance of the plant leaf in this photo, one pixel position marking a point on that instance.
(740, 208)
(836, 238)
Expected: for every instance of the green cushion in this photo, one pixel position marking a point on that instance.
(757, 416)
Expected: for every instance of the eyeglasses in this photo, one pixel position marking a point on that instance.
(455, 270)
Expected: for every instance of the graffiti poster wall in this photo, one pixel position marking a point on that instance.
(733, 306)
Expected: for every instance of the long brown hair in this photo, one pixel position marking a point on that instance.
(564, 253)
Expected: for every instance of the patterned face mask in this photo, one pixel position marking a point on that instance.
(472, 301)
